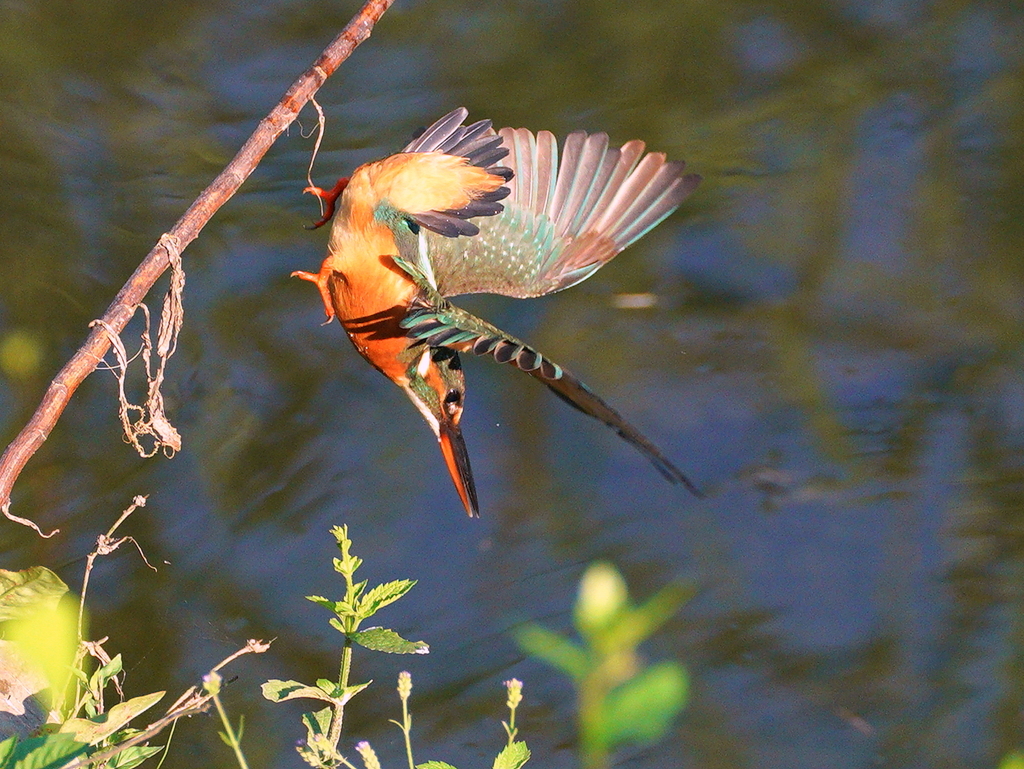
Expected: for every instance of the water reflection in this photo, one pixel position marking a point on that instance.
(834, 354)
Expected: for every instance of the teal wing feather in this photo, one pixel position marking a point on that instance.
(433, 321)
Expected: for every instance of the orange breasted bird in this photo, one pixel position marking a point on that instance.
(464, 209)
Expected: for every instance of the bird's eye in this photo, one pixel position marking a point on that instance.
(452, 399)
(413, 227)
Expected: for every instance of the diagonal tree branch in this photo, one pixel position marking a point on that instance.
(186, 230)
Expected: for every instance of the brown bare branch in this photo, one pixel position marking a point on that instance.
(186, 230)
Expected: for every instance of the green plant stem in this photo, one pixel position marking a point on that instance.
(232, 738)
(338, 715)
(167, 747)
(406, 728)
(592, 693)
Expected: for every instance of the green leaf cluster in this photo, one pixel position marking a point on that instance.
(359, 605)
(41, 629)
(323, 726)
(47, 752)
(620, 699)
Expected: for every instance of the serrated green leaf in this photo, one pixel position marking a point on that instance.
(336, 624)
(327, 686)
(553, 649)
(132, 756)
(49, 752)
(434, 765)
(512, 756)
(351, 691)
(276, 690)
(382, 595)
(317, 750)
(643, 708)
(348, 566)
(93, 731)
(383, 640)
(327, 603)
(22, 592)
(321, 719)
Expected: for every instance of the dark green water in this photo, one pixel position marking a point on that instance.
(835, 356)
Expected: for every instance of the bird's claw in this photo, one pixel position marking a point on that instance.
(330, 198)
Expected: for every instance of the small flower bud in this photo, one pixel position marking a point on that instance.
(369, 757)
(211, 683)
(404, 684)
(515, 692)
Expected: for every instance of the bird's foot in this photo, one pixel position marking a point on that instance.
(320, 279)
(330, 198)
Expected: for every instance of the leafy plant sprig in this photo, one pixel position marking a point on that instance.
(620, 700)
(45, 651)
(323, 727)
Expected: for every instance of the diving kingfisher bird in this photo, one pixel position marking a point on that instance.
(464, 209)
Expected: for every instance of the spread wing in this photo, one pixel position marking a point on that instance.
(566, 214)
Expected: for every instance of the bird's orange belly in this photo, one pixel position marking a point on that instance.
(371, 303)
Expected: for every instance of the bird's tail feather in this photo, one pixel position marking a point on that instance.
(443, 325)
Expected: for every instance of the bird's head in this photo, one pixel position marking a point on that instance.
(437, 386)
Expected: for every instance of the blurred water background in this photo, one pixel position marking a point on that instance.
(833, 351)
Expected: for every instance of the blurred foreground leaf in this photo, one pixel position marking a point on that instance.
(24, 592)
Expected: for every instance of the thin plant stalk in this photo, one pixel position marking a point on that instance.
(213, 686)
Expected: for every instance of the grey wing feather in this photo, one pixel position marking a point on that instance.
(478, 142)
(481, 146)
(433, 138)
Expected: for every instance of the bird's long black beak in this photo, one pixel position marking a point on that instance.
(453, 447)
